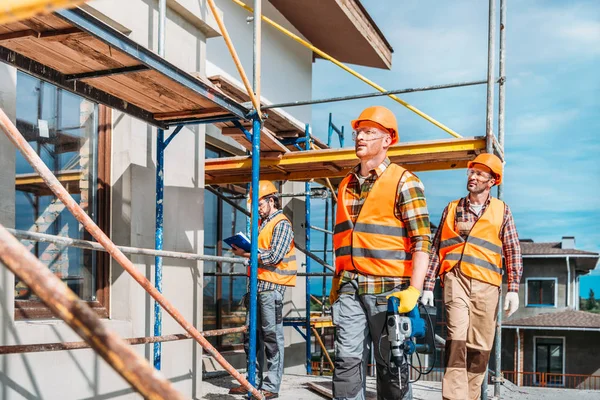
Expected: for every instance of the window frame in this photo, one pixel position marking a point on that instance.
(36, 309)
(564, 359)
(555, 279)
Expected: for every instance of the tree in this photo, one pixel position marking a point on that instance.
(591, 301)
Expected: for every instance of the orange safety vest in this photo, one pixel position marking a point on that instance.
(283, 273)
(377, 243)
(480, 255)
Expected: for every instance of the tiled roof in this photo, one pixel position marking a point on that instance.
(531, 248)
(561, 319)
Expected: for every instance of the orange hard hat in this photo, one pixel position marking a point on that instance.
(265, 188)
(492, 162)
(382, 117)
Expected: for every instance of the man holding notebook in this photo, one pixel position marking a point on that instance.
(276, 271)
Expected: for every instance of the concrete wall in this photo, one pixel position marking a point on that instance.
(81, 373)
(542, 268)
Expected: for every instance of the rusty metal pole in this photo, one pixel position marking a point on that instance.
(83, 320)
(55, 186)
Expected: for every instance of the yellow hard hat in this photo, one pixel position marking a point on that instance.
(265, 188)
(381, 117)
(492, 162)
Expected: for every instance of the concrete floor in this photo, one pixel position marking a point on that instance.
(294, 387)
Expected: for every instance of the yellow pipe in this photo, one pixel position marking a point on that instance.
(350, 70)
(235, 57)
(16, 10)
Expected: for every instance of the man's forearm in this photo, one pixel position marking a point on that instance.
(420, 262)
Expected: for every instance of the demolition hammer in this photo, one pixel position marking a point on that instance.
(402, 329)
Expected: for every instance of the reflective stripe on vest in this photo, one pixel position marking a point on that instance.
(480, 255)
(377, 244)
(283, 273)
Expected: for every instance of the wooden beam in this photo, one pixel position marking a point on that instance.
(198, 113)
(53, 35)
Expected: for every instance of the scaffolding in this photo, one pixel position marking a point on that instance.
(203, 103)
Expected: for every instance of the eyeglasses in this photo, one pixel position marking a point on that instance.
(481, 175)
(368, 135)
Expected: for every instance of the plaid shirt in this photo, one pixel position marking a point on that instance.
(280, 245)
(411, 209)
(511, 248)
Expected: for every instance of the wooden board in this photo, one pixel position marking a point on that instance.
(54, 42)
(268, 141)
(336, 163)
(276, 121)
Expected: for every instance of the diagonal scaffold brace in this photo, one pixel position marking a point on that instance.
(56, 187)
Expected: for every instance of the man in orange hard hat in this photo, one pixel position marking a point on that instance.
(276, 271)
(473, 235)
(382, 244)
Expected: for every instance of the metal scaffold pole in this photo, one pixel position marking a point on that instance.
(160, 187)
(501, 103)
(307, 263)
(256, 127)
(489, 124)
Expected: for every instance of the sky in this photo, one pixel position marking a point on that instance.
(552, 128)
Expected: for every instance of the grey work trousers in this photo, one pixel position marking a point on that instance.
(269, 340)
(360, 321)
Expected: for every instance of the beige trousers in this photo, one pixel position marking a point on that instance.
(471, 310)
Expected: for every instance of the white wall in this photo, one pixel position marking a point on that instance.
(81, 374)
(286, 65)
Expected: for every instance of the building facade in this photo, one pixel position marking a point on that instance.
(107, 161)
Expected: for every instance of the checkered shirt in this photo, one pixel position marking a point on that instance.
(411, 209)
(511, 248)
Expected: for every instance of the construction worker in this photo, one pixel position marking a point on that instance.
(276, 271)
(473, 235)
(382, 244)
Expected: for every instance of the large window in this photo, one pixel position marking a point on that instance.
(541, 292)
(223, 296)
(549, 358)
(63, 129)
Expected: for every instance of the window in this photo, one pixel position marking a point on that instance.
(549, 359)
(541, 292)
(63, 129)
(223, 296)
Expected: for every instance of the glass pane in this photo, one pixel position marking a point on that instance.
(541, 358)
(556, 359)
(541, 292)
(62, 128)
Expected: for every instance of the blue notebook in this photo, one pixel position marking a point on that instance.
(239, 240)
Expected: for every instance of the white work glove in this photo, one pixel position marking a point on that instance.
(427, 298)
(511, 303)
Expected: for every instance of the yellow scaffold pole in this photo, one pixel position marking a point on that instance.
(16, 10)
(350, 70)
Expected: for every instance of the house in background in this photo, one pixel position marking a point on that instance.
(549, 341)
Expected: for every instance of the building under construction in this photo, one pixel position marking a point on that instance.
(137, 127)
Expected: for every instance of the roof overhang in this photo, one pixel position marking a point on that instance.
(77, 52)
(341, 28)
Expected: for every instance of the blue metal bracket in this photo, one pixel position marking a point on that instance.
(244, 130)
(172, 136)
